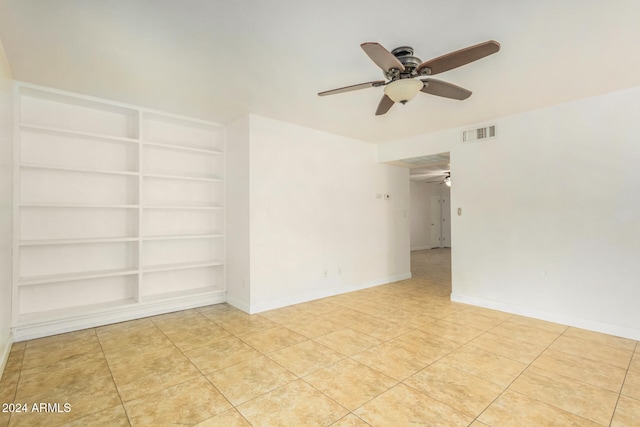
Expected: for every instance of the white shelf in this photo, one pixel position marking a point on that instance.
(43, 242)
(182, 148)
(184, 294)
(182, 177)
(44, 316)
(184, 207)
(144, 194)
(29, 126)
(73, 169)
(74, 205)
(183, 236)
(67, 277)
(181, 266)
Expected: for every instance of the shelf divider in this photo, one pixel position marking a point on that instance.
(182, 148)
(182, 177)
(68, 277)
(70, 132)
(74, 169)
(184, 236)
(181, 266)
(73, 205)
(77, 241)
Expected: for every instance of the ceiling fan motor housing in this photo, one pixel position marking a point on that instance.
(410, 63)
(402, 51)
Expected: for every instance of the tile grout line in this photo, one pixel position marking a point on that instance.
(198, 369)
(547, 348)
(302, 378)
(298, 377)
(613, 414)
(516, 378)
(372, 299)
(235, 407)
(104, 355)
(139, 397)
(15, 392)
(447, 354)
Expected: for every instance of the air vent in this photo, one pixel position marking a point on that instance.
(485, 132)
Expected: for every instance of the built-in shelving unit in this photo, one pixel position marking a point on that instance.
(119, 212)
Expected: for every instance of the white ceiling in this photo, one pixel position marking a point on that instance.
(221, 59)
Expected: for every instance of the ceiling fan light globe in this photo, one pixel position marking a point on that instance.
(447, 181)
(403, 90)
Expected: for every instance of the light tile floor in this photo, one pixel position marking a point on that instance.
(395, 355)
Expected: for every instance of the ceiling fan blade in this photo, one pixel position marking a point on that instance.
(459, 57)
(427, 175)
(385, 104)
(444, 89)
(381, 56)
(352, 87)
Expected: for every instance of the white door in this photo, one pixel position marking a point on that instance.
(435, 219)
(446, 221)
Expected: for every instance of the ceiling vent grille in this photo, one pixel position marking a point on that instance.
(476, 134)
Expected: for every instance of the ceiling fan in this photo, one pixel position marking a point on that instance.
(406, 75)
(446, 180)
(443, 177)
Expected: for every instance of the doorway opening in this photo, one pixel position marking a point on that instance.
(430, 206)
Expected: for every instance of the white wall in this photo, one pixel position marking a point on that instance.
(313, 208)
(420, 212)
(550, 225)
(6, 179)
(238, 239)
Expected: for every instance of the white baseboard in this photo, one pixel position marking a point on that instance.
(43, 328)
(324, 293)
(563, 319)
(239, 304)
(4, 354)
(420, 248)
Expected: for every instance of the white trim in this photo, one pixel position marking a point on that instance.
(241, 305)
(141, 242)
(324, 293)
(4, 357)
(420, 248)
(563, 319)
(15, 232)
(114, 315)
